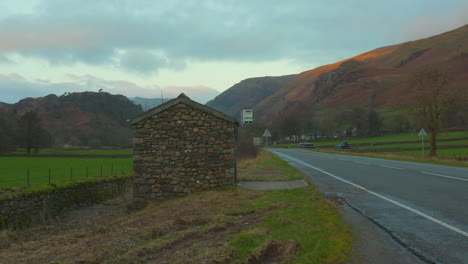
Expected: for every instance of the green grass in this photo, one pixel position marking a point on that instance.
(405, 155)
(13, 170)
(387, 138)
(305, 217)
(80, 152)
(267, 167)
(302, 215)
(413, 145)
(443, 153)
(397, 156)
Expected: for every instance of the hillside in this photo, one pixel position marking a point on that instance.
(86, 118)
(377, 79)
(248, 93)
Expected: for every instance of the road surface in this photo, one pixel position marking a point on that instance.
(422, 206)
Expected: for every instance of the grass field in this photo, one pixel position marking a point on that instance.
(14, 170)
(386, 142)
(388, 138)
(80, 152)
(443, 153)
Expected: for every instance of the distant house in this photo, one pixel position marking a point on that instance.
(182, 147)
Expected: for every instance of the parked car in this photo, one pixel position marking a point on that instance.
(307, 145)
(343, 145)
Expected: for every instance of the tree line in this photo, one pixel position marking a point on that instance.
(436, 106)
(23, 131)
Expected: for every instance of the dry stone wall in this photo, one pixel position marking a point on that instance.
(22, 210)
(183, 150)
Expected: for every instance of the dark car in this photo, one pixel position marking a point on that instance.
(343, 145)
(307, 145)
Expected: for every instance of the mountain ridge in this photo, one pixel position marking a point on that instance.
(378, 78)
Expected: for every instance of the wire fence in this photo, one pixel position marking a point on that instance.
(38, 175)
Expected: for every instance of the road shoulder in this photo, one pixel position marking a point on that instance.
(372, 244)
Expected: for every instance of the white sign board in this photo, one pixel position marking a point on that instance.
(422, 133)
(247, 116)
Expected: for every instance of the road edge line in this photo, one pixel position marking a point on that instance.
(437, 221)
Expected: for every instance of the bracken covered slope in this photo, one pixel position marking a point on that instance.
(82, 117)
(378, 78)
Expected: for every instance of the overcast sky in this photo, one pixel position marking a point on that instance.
(148, 47)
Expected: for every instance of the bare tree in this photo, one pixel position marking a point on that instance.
(32, 135)
(433, 97)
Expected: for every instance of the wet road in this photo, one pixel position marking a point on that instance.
(423, 206)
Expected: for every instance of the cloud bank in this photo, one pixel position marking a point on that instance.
(146, 36)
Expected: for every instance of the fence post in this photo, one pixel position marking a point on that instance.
(112, 169)
(121, 168)
(101, 170)
(28, 178)
(49, 176)
(86, 172)
(71, 174)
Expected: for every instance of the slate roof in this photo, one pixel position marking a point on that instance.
(182, 98)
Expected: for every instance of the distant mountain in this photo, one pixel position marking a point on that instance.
(81, 118)
(248, 93)
(148, 103)
(378, 79)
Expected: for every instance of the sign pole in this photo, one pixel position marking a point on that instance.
(422, 139)
(422, 134)
(266, 134)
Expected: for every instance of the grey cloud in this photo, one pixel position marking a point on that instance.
(142, 61)
(5, 60)
(208, 30)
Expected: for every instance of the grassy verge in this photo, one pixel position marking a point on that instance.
(267, 167)
(302, 217)
(232, 225)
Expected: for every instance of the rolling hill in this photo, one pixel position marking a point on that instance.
(377, 79)
(81, 118)
(248, 93)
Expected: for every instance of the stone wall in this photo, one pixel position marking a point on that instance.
(183, 150)
(21, 210)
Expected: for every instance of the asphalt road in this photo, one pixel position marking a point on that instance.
(423, 206)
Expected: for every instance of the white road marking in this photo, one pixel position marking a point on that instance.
(459, 231)
(396, 168)
(362, 163)
(445, 176)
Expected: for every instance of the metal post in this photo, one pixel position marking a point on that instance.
(422, 142)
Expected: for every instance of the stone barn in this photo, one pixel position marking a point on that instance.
(182, 147)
